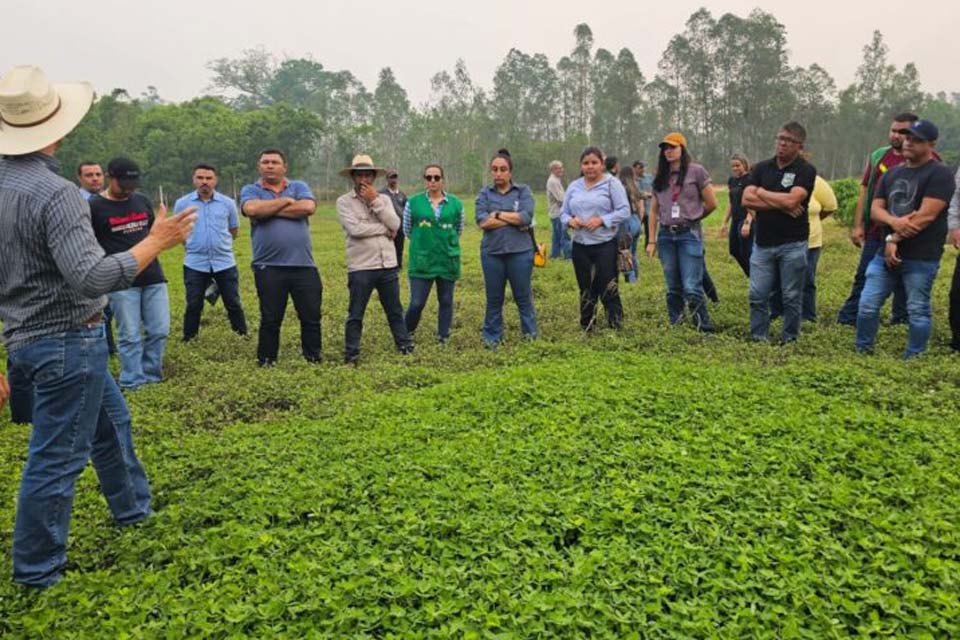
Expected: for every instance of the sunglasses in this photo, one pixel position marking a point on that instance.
(433, 178)
(788, 140)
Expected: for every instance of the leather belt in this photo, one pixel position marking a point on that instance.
(94, 320)
(676, 228)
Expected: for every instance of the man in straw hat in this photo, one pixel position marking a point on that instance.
(53, 277)
(283, 265)
(371, 225)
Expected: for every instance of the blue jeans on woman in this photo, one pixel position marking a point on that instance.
(789, 263)
(916, 277)
(78, 414)
(681, 256)
(560, 243)
(517, 269)
(145, 309)
(419, 292)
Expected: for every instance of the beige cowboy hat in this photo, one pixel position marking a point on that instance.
(35, 113)
(362, 162)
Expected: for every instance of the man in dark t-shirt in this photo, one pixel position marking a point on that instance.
(910, 203)
(399, 199)
(779, 191)
(121, 218)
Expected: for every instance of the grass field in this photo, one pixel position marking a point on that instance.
(651, 483)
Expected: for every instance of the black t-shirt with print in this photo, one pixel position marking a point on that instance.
(774, 226)
(120, 224)
(904, 188)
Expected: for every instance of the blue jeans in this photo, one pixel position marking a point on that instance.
(498, 269)
(419, 292)
(848, 312)
(789, 262)
(21, 395)
(809, 306)
(79, 414)
(560, 243)
(916, 277)
(141, 356)
(681, 256)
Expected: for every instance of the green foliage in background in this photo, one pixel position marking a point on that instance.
(650, 483)
(847, 191)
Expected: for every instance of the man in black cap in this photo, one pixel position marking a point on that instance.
(399, 199)
(911, 204)
(121, 218)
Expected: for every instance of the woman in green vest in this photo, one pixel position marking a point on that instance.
(433, 222)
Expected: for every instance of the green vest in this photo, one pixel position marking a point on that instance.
(875, 159)
(434, 244)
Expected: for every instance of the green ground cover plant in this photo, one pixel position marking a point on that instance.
(651, 483)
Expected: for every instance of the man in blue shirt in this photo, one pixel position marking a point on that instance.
(90, 178)
(283, 265)
(210, 252)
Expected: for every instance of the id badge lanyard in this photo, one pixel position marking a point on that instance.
(675, 198)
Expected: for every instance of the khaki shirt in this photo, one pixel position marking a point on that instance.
(555, 195)
(368, 230)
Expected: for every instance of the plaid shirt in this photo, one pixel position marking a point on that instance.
(53, 273)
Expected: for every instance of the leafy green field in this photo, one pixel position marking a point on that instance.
(652, 483)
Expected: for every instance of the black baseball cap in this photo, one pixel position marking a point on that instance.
(125, 171)
(392, 173)
(922, 130)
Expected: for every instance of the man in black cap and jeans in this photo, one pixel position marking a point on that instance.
(121, 218)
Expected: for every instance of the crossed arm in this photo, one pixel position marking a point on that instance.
(759, 199)
(280, 207)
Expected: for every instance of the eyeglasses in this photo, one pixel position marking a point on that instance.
(433, 178)
(788, 140)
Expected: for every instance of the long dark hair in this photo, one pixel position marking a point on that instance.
(629, 180)
(662, 178)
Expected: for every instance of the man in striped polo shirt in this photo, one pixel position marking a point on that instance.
(53, 277)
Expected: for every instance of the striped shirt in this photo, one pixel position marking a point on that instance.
(53, 273)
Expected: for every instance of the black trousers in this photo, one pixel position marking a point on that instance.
(274, 285)
(361, 284)
(195, 283)
(398, 244)
(955, 306)
(595, 266)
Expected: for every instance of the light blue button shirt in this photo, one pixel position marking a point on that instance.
(210, 245)
(607, 199)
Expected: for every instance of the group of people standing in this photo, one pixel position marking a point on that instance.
(66, 250)
(774, 230)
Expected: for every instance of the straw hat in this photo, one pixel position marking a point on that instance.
(35, 113)
(362, 162)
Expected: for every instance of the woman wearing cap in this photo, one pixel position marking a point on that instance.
(595, 205)
(738, 222)
(683, 196)
(505, 213)
(433, 221)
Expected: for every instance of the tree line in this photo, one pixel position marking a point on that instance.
(725, 82)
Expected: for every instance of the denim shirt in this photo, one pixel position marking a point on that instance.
(607, 199)
(509, 239)
(210, 244)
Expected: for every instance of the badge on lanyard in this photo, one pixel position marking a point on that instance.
(675, 209)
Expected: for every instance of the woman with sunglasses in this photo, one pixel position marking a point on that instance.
(683, 196)
(505, 213)
(433, 222)
(594, 207)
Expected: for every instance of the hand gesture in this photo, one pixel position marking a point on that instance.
(651, 249)
(170, 231)
(857, 235)
(368, 193)
(593, 223)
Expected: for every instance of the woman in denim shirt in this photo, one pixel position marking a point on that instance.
(505, 213)
(594, 207)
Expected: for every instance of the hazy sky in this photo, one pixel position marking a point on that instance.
(133, 45)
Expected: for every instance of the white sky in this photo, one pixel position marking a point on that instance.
(167, 44)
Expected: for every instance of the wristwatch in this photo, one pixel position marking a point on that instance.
(890, 239)
(497, 215)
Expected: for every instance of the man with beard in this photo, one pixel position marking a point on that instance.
(209, 254)
(911, 207)
(868, 235)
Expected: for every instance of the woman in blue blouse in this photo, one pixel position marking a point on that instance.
(505, 213)
(594, 207)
